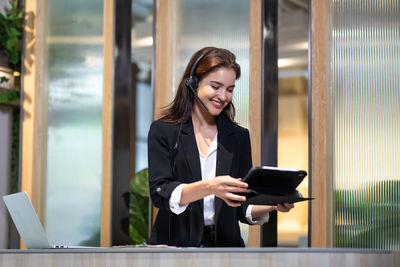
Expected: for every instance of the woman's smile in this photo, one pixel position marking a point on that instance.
(216, 89)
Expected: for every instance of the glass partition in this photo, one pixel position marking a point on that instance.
(293, 113)
(211, 23)
(73, 82)
(142, 62)
(365, 116)
(143, 94)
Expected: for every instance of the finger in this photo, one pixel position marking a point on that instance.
(232, 203)
(282, 208)
(235, 182)
(289, 205)
(230, 178)
(235, 189)
(234, 197)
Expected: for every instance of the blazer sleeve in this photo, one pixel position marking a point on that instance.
(160, 149)
(245, 165)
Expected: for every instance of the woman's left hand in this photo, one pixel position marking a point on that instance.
(284, 207)
(260, 210)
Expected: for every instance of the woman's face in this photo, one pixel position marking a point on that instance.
(216, 89)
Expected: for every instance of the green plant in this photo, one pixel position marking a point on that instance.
(11, 34)
(8, 97)
(369, 217)
(11, 28)
(139, 207)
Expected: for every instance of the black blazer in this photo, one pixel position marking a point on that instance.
(233, 158)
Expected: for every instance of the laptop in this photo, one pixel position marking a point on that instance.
(27, 222)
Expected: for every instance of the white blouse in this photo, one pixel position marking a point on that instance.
(208, 169)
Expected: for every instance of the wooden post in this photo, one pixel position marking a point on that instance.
(321, 180)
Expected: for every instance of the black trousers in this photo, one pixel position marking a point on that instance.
(209, 236)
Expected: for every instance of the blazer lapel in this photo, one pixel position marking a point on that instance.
(226, 147)
(190, 150)
(193, 160)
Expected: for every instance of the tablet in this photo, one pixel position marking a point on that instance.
(271, 185)
(273, 180)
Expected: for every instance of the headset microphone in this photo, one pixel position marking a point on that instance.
(195, 94)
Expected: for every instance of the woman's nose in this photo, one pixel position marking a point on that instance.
(222, 96)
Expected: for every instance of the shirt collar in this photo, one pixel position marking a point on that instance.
(213, 147)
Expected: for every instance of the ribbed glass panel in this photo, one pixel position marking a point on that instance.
(365, 70)
(220, 23)
(73, 80)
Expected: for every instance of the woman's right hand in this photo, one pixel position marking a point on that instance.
(225, 188)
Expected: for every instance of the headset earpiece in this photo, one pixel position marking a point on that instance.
(192, 82)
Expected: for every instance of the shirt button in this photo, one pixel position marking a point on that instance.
(158, 189)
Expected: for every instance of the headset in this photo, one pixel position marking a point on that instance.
(192, 83)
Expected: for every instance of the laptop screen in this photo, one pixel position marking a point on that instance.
(26, 220)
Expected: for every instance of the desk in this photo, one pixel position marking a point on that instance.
(199, 257)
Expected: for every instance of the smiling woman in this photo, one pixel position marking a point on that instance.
(197, 156)
(217, 89)
(204, 62)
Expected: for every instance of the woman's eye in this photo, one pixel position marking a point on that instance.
(215, 87)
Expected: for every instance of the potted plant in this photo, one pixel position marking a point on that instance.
(11, 26)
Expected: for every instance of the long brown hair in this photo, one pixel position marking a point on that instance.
(180, 109)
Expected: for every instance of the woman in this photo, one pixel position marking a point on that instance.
(197, 156)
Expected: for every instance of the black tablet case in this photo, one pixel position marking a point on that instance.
(271, 186)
